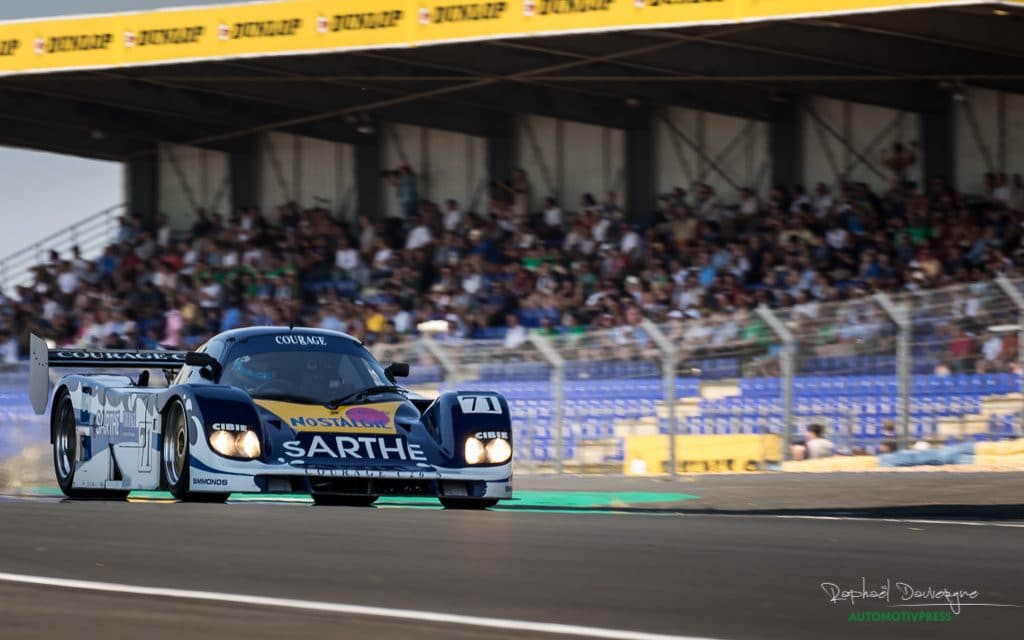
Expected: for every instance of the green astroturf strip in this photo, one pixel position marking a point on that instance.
(548, 501)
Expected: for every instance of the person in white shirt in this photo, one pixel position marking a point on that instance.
(822, 201)
(67, 280)
(552, 213)
(452, 215)
(419, 236)
(346, 258)
(516, 334)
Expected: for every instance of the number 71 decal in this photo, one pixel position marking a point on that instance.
(479, 404)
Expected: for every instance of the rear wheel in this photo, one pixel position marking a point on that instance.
(333, 500)
(468, 503)
(174, 458)
(65, 454)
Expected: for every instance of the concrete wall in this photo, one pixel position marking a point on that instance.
(568, 159)
(312, 172)
(844, 140)
(989, 136)
(190, 178)
(725, 152)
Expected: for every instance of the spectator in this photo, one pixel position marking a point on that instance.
(404, 181)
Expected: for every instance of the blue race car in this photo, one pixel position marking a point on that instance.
(269, 410)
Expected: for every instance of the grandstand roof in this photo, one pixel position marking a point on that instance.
(910, 59)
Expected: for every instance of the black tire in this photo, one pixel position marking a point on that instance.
(174, 455)
(65, 452)
(468, 503)
(334, 500)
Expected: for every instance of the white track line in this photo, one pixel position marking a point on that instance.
(969, 523)
(350, 609)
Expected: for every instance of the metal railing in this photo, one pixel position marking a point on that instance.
(91, 235)
(877, 372)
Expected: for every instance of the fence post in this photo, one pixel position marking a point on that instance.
(900, 316)
(787, 363)
(450, 370)
(557, 362)
(669, 359)
(1014, 294)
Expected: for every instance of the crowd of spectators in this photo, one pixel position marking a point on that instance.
(522, 262)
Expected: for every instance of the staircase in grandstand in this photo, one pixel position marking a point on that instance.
(91, 235)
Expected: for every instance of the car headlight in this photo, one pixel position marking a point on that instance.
(498, 451)
(248, 445)
(236, 445)
(223, 442)
(474, 451)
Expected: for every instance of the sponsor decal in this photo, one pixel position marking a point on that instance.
(210, 482)
(111, 422)
(74, 43)
(9, 47)
(464, 12)
(122, 356)
(491, 435)
(355, 448)
(161, 37)
(480, 404)
(376, 419)
(300, 340)
(360, 21)
(229, 426)
(553, 7)
(261, 29)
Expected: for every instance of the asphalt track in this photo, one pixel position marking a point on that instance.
(662, 570)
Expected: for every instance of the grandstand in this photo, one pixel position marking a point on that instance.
(682, 163)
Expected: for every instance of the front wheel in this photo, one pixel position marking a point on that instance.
(468, 503)
(65, 454)
(333, 500)
(174, 458)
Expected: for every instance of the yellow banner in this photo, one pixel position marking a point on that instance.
(289, 27)
(649, 455)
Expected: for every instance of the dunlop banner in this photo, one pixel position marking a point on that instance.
(286, 27)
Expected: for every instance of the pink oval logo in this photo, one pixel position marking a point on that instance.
(365, 416)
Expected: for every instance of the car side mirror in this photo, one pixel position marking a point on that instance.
(210, 366)
(397, 370)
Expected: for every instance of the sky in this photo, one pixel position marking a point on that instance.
(44, 193)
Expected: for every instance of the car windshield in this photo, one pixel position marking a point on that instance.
(301, 367)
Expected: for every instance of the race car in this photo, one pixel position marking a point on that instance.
(268, 410)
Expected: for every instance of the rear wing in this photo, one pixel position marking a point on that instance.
(42, 358)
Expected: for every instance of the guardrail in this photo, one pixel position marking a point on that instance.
(91, 234)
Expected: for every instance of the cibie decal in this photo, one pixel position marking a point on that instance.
(229, 426)
(375, 419)
(301, 340)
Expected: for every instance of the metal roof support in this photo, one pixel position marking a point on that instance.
(1011, 291)
(979, 138)
(669, 360)
(696, 147)
(900, 316)
(787, 363)
(843, 141)
(538, 156)
(557, 362)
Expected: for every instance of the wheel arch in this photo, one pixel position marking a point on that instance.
(58, 395)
